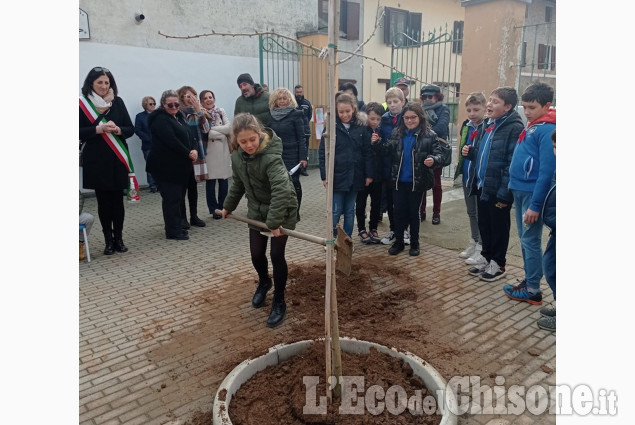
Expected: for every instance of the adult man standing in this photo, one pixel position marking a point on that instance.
(253, 99)
(142, 131)
(305, 106)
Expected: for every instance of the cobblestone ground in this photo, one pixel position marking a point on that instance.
(154, 319)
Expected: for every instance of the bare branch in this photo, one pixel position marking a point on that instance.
(378, 18)
(256, 33)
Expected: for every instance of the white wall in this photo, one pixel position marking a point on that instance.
(143, 72)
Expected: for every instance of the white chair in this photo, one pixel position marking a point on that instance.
(83, 229)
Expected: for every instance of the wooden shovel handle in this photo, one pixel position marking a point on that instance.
(293, 233)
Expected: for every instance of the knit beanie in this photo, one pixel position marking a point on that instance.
(245, 78)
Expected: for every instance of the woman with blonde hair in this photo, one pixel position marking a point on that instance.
(288, 123)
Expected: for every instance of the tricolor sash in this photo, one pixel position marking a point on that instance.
(117, 145)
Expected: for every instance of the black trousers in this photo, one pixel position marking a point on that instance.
(406, 205)
(374, 191)
(192, 197)
(172, 195)
(258, 248)
(111, 212)
(493, 224)
(295, 179)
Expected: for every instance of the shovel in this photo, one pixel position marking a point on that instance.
(343, 244)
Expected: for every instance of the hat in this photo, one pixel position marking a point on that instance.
(401, 80)
(430, 89)
(245, 78)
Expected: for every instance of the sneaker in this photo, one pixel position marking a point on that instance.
(414, 250)
(520, 293)
(547, 323)
(476, 257)
(406, 237)
(396, 248)
(467, 253)
(374, 237)
(389, 238)
(478, 269)
(364, 236)
(493, 272)
(549, 311)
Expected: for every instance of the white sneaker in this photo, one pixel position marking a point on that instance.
(406, 238)
(476, 257)
(469, 250)
(387, 240)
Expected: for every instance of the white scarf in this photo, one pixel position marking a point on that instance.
(102, 104)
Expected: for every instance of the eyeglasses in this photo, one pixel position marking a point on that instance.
(427, 96)
(410, 117)
(100, 69)
(173, 105)
(152, 103)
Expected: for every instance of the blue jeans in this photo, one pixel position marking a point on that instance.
(549, 263)
(151, 183)
(530, 240)
(210, 193)
(344, 203)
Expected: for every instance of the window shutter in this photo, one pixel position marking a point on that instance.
(414, 25)
(553, 58)
(541, 56)
(343, 14)
(387, 29)
(523, 54)
(352, 20)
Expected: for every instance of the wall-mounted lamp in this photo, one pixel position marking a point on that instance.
(139, 17)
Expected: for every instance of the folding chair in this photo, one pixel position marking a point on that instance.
(83, 229)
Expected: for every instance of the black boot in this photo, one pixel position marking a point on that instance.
(195, 221)
(118, 243)
(110, 248)
(184, 224)
(278, 310)
(261, 292)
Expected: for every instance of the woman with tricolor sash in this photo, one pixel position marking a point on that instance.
(104, 126)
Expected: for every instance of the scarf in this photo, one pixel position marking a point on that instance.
(279, 113)
(215, 114)
(102, 104)
(430, 114)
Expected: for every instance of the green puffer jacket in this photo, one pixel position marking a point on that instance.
(264, 179)
(257, 105)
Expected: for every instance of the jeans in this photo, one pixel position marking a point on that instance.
(471, 202)
(151, 182)
(214, 203)
(549, 263)
(344, 203)
(530, 240)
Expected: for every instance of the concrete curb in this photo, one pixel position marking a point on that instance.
(279, 353)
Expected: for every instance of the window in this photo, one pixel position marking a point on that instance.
(546, 57)
(401, 27)
(548, 12)
(349, 18)
(457, 37)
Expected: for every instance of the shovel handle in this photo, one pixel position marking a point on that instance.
(293, 233)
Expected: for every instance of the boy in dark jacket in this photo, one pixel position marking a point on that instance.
(489, 176)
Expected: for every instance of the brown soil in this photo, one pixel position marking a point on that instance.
(376, 303)
(369, 309)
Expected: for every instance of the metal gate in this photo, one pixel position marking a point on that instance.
(434, 58)
(285, 63)
(537, 56)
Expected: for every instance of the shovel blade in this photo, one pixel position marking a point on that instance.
(344, 252)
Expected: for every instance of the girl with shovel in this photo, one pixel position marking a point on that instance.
(259, 173)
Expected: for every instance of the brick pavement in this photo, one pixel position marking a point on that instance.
(152, 324)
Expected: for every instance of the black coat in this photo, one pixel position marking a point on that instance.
(353, 157)
(426, 145)
(168, 160)
(290, 130)
(102, 169)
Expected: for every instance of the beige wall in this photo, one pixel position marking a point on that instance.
(490, 47)
(435, 13)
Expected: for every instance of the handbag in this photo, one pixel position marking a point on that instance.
(446, 153)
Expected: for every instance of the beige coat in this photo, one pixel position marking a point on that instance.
(218, 157)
